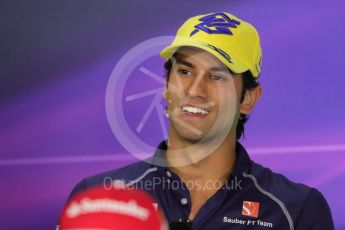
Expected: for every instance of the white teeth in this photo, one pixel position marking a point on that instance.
(191, 109)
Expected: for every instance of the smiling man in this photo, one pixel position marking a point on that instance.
(204, 94)
(202, 177)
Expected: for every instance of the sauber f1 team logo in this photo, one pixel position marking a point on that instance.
(250, 208)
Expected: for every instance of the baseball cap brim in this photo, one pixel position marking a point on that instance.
(233, 63)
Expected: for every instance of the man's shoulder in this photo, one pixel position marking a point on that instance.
(276, 182)
(297, 200)
(126, 174)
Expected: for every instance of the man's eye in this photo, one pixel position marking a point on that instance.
(184, 72)
(218, 78)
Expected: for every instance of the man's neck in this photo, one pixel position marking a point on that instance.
(195, 164)
(203, 172)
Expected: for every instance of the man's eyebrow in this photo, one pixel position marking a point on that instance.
(183, 62)
(219, 69)
(211, 69)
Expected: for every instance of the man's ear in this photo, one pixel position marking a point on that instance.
(250, 98)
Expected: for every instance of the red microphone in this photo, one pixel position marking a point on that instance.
(117, 208)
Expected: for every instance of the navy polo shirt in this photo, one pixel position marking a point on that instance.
(253, 197)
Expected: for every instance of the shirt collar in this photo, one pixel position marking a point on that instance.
(242, 163)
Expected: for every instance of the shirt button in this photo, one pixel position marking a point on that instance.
(168, 173)
(184, 201)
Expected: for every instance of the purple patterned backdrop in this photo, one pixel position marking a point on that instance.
(56, 60)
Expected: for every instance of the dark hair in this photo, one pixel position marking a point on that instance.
(249, 83)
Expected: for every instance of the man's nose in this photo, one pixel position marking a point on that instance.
(198, 87)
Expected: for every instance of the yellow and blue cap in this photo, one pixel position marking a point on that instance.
(233, 41)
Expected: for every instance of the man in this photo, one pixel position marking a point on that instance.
(202, 177)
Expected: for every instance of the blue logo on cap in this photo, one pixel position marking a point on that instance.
(217, 23)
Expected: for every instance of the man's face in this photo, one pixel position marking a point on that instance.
(202, 97)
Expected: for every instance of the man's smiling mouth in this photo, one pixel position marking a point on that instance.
(194, 110)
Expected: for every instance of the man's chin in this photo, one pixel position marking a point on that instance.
(190, 138)
(199, 135)
(193, 138)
